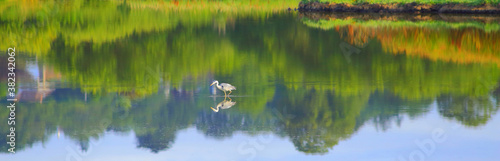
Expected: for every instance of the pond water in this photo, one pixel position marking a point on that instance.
(132, 82)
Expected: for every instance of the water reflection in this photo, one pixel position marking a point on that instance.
(470, 111)
(150, 76)
(226, 104)
(466, 39)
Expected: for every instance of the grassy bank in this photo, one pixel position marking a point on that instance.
(327, 21)
(403, 6)
(331, 24)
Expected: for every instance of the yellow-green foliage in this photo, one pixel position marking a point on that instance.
(33, 26)
(277, 64)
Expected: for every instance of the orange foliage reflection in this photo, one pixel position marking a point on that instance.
(465, 45)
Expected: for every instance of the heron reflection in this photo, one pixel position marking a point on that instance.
(224, 105)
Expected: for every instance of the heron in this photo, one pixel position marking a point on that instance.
(224, 105)
(224, 87)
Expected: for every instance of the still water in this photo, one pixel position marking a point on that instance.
(131, 82)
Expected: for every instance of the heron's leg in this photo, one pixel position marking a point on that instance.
(229, 93)
(230, 100)
(215, 109)
(225, 94)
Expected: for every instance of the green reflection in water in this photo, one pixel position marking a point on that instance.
(147, 72)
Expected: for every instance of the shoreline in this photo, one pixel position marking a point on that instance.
(399, 8)
(333, 20)
(446, 17)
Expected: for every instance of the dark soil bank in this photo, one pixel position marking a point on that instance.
(398, 8)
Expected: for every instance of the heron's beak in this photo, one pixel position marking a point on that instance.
(212, 83)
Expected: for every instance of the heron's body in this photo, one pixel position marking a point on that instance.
(224, 87)
(224, 105)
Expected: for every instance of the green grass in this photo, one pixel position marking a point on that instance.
(330, 24)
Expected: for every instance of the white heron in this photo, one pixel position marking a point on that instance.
(224, 87)
(224, 105)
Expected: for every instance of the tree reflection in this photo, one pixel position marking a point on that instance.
(158, 141)
(149, 76)
(470, 111)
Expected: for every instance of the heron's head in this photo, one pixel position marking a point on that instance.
(214, 82)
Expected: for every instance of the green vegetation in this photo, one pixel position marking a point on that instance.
(263, 66)
(146, 71)
(460, 42)
(331, 24)
(32, 26)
